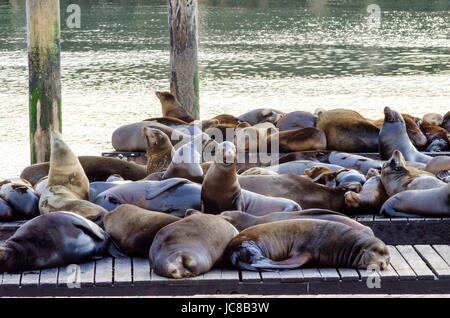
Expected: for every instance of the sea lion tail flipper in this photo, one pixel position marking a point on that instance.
(389, 209)
(293, 262)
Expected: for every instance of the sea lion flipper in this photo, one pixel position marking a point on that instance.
(293, 262)
(153, 192)
(114, 250)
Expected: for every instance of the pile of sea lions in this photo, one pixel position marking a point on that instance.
(207, 198)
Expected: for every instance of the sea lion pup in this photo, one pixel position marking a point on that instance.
(68, 185)
(133, 228)
(436, 133)
(221, 190)
(397, 177)
(297, 120)
(172, 196)
(299, 167)
(446, 121)
(242, 220)
(262, 115)
(348, 131)
(171, 107)
(191, 246)
(257, 171)
(292, 244)
(371, 197)
(424, 203)
(302, 139)
(52, 240)
(159, 150)
(393, 136)
(96, 169)
(21, 198)
(433, 119)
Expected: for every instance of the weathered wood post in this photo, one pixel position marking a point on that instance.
(184, 83)
(43, 28)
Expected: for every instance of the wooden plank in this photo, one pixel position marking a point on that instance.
(122, 271)
(444, 252)
(348, 274)
(389, 274)
(213, 275)
(274, 276)
(432, 258)
(69, 276)
(11, 279)
(30, 278)
(87, 274)
(230, 275)
(49, 277)
(415, 261)
(155, 278)
(329, 274)
(402, 268)
(250, 277)
(141, 271)
(104, 272)
(311, 274)
(292, 276)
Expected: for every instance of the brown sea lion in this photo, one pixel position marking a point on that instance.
(52, 240)
(191, 246)
(424, 203)
(171, 107)
(225, 119)
(300, 189)
(345, 178)
(68, 186)
(96, 169)
(348, 131)
(292, 244)
(168, 121)
(397, 177)
(297, 120)
(446, 121)
(393, 136)
(221, 190)
(299, 167)
(433, 119)
(371, 197)
(159, 150)
(22, 199)
(262, 115)
(242, 220)
(433, 132)
(302, 139)
(257, 171)
(133, 228)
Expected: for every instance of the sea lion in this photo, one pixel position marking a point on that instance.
(446, 121)
(21, 198)
(424, 203)
(242, 220)
(302, 139)
(186, 164)
(96, 169)
(172, 196)
(97, 187)
(292, 244)
(437, 145)
(393, 136)
(159, 150)
(52, 240)
(397, 177)
(168, 121)
(345, 178)
(438, 164)
(133, 228)
(257, 171)
(221, 190)
(262, 115)
(433, 119)
(171, 107)
(297, 120)
(41, 185)
(299, 167)
(301, 189)
(226, 119)
(68, 185)
(352, 161)
(434, 133)
(191, 246)
(371, 197)
(348, 131)
(114, 178)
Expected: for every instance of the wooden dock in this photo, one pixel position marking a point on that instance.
(414, 269)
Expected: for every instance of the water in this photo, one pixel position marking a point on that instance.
(285, 54)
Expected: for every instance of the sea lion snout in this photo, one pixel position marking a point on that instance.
(7, 259)
(377, 255)
(226, 153)
(391, 115)
(181, 266)
(397, 161)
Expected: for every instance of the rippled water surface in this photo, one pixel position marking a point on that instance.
(286, 54)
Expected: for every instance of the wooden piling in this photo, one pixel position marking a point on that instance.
(184, 82)
(44, 50)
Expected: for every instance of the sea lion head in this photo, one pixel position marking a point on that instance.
(396, 163)
(181, 264)
(240, 220)
(8, 259)
(392, 116)
(165, 97)
(225, 153)
(433, 119)
(269, 115)
(373, 252)
(155, 138)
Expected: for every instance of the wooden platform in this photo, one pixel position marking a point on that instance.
(413, 269)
